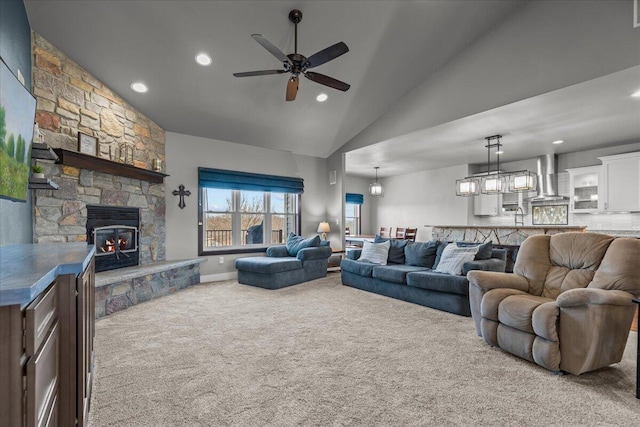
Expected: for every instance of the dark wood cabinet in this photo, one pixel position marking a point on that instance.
(46, 354)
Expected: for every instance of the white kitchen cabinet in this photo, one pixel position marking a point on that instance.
(621, 176)
(487, 204)
(585, 185)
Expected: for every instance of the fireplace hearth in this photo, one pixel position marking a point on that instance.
(114, 232)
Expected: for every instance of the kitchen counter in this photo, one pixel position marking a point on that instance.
(617, 233)
(26, 270)
(498, 234)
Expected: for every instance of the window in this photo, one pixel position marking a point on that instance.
(353, 202)
(245, 218)
(352, 218)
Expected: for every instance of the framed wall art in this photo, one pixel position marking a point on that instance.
(87, 144)
(17, 113)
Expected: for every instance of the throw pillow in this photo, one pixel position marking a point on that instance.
(421, 254)
(375, 253)
(453, 257)
(484, 249)
(295, 243)
(325, 243)
(396, 250)
(439, 250)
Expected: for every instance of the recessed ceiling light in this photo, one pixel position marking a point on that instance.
(558, 141)
(203, 59)
(139, 87)
(322, 97)
(636, 94)
(499, 152)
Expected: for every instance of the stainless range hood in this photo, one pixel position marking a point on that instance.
(547, 180)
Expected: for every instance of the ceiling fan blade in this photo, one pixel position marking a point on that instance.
(327, 54)
(270, 47)
(292, 88)
(327, 81)
(258, 73)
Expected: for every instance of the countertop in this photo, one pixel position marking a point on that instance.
(27, 270)
(510, 227)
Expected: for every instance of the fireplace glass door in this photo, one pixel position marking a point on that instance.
(118, 240)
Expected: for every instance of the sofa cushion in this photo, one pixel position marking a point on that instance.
(396, 273)
(360, 268)
(396, 250)
(375, 253)
(422, 254)
(268, 265)
(295, 243)
(484, 249)
(440, 282)
(454, 257)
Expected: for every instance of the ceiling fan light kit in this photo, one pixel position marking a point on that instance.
(495, 181)
(297, 64)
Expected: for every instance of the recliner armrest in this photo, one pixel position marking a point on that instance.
(317, 252)
(585, 296)
(486, 280)
(277, 251)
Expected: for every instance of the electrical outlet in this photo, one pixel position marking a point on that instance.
(221, 260)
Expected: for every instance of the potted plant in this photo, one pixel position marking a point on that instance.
(37, 172)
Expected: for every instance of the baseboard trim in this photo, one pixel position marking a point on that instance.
(219, 277)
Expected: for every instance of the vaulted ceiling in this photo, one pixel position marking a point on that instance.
(393, 47)
(397, 50)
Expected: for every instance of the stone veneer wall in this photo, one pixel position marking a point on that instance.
(117, 296)
(70, 100)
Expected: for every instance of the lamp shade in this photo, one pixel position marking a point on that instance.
(375, 189)
(493, 184)
(467, 187)
(324, 227)
(522, 181)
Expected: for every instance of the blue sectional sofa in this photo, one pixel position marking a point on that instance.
(280, 269)
(418, 283)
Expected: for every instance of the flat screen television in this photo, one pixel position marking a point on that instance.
(17, 114)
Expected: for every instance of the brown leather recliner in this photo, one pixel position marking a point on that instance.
(566, 306)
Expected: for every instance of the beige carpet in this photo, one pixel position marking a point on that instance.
(323, 354)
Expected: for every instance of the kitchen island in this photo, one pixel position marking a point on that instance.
(500, 235)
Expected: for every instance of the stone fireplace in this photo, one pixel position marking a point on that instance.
(71, 100)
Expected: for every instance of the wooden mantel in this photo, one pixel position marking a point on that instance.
(85, 161)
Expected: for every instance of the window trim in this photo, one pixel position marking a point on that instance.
(245, 249)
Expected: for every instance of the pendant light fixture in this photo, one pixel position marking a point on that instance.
(494, 181)
(375, 188)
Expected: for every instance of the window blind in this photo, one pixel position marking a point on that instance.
(234, 180)
(354, 198)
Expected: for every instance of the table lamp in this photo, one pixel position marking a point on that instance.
(324, 229)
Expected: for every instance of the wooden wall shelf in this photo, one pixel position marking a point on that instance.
(85, 161)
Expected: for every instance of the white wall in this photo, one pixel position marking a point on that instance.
(421, 199)
(186, 153)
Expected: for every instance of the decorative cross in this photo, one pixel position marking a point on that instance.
(181, 192)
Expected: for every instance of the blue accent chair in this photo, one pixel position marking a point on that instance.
(278, 269)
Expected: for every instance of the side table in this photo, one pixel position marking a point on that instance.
(637, 301)
(334, 260)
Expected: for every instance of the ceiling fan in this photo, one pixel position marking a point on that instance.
(297, 64)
